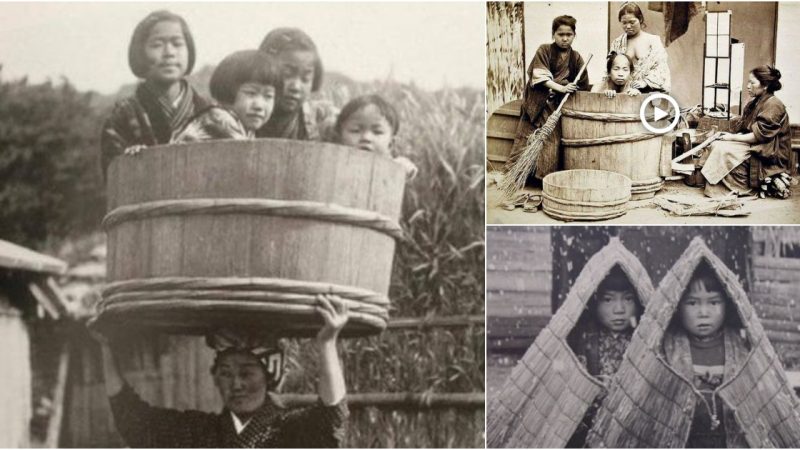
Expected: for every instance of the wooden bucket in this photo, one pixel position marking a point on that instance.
(501, 130)
(245, 234)
(586, 194)
(607, 134)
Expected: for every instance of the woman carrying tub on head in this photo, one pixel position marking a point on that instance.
(245, 84)
(161, 53)
(650, 68)
(617, 79)
(300, 69)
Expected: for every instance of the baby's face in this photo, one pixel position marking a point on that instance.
(615, 309)
(368, 130)
(620, 70)
(702, 312)
(254, 103)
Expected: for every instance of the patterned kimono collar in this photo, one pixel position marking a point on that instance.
(751, 108)
(256, 430)
(165, 116)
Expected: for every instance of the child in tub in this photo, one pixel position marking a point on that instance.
(245, 85)
(618, 76)
(161, 53)
(371, 123)
(602, 336)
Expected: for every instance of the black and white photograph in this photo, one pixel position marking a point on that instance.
(643, 337)
(643, 112)
(242, 225)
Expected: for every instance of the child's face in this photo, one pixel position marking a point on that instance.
(615, 309)
(368, 130)
(254, 103)
(564, 36)
(702, 311)
(166, 53)
(620, 70)
(297, 73)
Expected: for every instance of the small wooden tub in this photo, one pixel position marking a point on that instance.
(607, 134)
(501, 130)
(245, 234)
(586, 194)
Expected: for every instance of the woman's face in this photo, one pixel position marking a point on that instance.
(630, 25)
(702, 311)
(564, 36)
(620, 70)
(166, 53)
(615, 309)
(297, 73)
(242, 383)
(754, 87)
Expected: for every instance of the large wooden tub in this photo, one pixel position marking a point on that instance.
(606, 134)
(245, 234)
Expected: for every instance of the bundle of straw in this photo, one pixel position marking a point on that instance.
(516, 176)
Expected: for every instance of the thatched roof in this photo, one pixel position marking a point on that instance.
(549, 391)
(650, 404)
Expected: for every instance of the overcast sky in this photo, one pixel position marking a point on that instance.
(434, 45)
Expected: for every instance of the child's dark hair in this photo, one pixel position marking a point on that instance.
(238, 68)
(564, 20)
(387, 110)
(136, 57)
(631, 8)
(282, 40)
(612, 56)
(769, 77)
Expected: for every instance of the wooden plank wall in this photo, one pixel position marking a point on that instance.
(505, 53)
(776, 284)
(518, 306)
(15, 391)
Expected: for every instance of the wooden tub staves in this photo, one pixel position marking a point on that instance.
(585, 194)
(244, 234)
(607, 134)
(548, 392)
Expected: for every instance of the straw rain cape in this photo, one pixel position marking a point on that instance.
(549, 391)
(652, 404)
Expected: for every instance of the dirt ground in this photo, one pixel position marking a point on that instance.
(762, 211)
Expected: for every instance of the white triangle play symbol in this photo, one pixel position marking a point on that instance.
(659, 113)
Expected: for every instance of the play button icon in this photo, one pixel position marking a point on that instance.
(649, 121)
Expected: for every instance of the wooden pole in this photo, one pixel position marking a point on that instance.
(396, 400)
(54, 425)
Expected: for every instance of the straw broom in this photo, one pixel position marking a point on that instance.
(514, 179)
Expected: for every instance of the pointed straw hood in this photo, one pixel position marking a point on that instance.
(548, 392)
(651, 404)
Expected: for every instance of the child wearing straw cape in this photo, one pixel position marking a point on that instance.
(602, 336)
(550, 73)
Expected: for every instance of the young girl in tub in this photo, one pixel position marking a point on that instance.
(617, 79)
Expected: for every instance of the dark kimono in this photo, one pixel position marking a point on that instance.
(549, 63)
(213, 123)
(146, 119)
(145, 426)
(600, 351)
(313, 122)
(742, 166)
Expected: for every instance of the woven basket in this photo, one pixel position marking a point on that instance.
(549, 391)
(650, 404)
(245, 234)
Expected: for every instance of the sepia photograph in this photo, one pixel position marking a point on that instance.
(642, 113)
(242, 225)
(643, 337)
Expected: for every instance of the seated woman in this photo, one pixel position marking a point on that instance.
(650, 68)
(760, 146)
(246, 370)
(617, 79)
